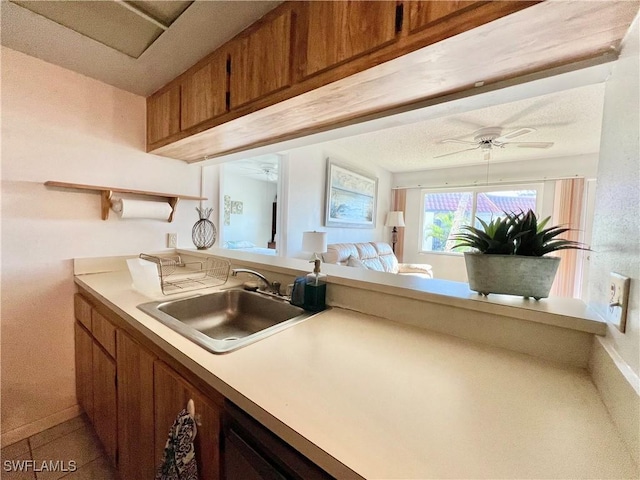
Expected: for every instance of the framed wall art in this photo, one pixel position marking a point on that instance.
(350, 197)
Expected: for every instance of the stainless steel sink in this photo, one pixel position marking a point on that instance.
(227, 320)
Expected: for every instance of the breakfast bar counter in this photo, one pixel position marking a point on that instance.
(366, 397)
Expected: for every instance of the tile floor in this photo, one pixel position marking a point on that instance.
(72, 440)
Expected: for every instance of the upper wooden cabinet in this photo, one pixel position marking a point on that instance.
(422, 13)
(340, 31)
(204, 91)
(307, 65)
(163, 114)
(261, 60)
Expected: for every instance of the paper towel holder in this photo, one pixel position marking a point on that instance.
(107, 192)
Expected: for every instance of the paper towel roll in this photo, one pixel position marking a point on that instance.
(126, 208)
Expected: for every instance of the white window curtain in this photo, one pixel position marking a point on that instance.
(567, 211)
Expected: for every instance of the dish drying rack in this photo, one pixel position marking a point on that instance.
(177, 276)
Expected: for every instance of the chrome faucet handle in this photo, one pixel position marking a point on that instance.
(275, 287)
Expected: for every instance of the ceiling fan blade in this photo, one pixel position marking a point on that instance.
(514, 134)
(463, 142)
(455, 153)
(532, 144)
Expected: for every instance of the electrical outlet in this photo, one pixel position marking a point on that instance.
(172, 240)
(618, 298)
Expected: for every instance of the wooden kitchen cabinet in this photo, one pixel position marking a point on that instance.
(104, 401)
(423, 13)
(340, 31)
(298, 48)
(136, 457)
(104, 332)
(172, 393)
(82, 310)
(95, 345)
(163, 114)
(84, 369)
(260, 60)
(138, 394)
(204, 91)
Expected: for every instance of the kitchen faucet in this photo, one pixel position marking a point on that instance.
(271, 286)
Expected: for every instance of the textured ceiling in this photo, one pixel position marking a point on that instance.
(204, 26)
(572, 119)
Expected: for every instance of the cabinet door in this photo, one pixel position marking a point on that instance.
(339, 31)
(104, 400)
(260, 61)
(84, 369)
(204, 92)
(136, 457)
(163, 114)
(104, 332)
(171, 396)
(424, 12)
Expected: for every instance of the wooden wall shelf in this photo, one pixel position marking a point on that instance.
(107, 192)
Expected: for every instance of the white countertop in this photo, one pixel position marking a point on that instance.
(387, 400)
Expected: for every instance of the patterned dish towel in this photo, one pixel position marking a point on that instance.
(179, 459)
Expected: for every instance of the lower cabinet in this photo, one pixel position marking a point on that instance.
(84, 369)
(172, 393)
(133, 399)
(252, 452)
(104, 401)
(136, 457)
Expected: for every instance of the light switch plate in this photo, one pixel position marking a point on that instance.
(172, 240)
(618, 297)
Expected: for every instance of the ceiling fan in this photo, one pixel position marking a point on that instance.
(486, 139)
(270, 171)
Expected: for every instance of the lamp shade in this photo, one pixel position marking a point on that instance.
(395, 219)
(315, 242)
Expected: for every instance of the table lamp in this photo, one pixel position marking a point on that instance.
(315, 242)
(394, 219)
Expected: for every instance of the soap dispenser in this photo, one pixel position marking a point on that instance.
(315, 289)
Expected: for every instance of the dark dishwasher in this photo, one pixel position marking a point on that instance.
(251, 452)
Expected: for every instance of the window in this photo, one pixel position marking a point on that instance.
(445, 212)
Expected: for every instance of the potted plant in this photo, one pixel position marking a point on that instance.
(509, 254)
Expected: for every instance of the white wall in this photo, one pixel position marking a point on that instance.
(306, 183)
(59, 125)
(254, 224)
(616, 228)
(448, 266)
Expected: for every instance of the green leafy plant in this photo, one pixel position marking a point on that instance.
(516, 234)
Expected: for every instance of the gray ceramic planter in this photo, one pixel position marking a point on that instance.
(511, 274)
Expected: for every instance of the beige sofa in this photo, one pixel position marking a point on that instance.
(374, 256)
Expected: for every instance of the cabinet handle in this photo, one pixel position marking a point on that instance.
(399, 17)
(191, 408)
